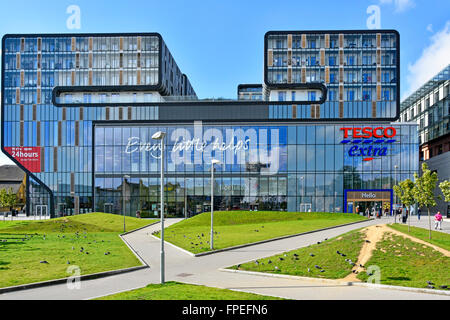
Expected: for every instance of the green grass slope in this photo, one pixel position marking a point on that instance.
(303, 261)
(80, 240)
(233, 228)
(183, 291)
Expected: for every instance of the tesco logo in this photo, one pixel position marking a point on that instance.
(368, 142)
(368, 132)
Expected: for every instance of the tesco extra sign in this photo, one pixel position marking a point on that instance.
(368, 142)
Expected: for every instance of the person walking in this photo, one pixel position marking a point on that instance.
(418, 213)
(438, 221)
(367, 212)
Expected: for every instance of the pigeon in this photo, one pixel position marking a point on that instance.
(238, 266)
(256, 230)
(257, 262)
(326, 239)
(203, 235)
(43, 261)
(430, 286)
(322, 270)
(312, 255)
(309, 270)
(87, 252)
(262, 226)
(318, 242)
(361, 265)
(68, 262)
(276, 268)
(73, 248)
(269, 262)
(281, 259)
(318, 267)
(338, 252)
(344, 255)
(285, 255)
(367, 241)
(295, 255)
(443, 287)
(430, 283)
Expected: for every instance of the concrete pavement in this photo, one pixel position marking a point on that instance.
(182, 267)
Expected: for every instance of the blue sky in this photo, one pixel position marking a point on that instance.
(219, 43)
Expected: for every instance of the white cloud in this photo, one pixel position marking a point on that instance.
(433, 59)
(430, 27)
(400, 5)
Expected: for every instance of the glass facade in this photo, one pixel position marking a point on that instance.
(263, 166)
(359, 69)
(112, 91)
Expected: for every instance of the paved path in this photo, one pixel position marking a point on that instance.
(182, 267)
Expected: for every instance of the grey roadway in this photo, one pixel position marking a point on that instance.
(183, 267)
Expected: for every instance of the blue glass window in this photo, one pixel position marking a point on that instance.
(332, 60)
(281, 96)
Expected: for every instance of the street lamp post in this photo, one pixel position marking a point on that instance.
(395, 199)
(301, 178)
(213, 162)
(160, 136)
(125, 177)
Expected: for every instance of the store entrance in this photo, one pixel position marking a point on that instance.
(368, 202)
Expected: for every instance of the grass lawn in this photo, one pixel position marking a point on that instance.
(183, 291)
(240, 227)
(59, 241)
(297, 262)
(406, 263)
(440, 239)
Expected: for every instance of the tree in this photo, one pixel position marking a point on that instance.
(405, 192)
(3, 198)
(12, 198)
(445, 188)
(424, 190)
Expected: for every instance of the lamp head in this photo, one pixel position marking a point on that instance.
(215, 161)
(159, 135)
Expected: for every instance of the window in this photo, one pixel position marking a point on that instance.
(332, 60)
(436, 97)
(350, 95)
(312, 60)
(366, 95)
(333, 43)
(350, 60)
(311, 96)
(332, 77)
(312, 44)
(279, 44)
(331, 95)
(367, 78)
(350, 77)
(367, 60)
(385, 59)
(386, 95)
(385, 77)
(293, 96)
(282, 96)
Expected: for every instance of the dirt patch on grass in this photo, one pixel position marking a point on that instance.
(375, 234)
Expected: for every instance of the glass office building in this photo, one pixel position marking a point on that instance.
(78, 113)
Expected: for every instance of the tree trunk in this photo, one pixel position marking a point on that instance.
(409, 219)
(429, 224)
